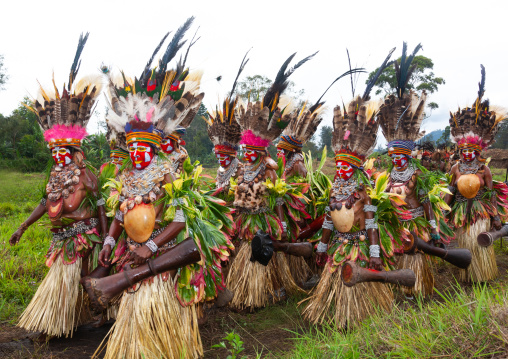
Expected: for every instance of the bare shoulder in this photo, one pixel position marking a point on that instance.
(271, 164)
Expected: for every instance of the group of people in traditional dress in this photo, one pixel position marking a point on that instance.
(150, 247)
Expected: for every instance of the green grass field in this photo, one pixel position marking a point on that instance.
(462, 322)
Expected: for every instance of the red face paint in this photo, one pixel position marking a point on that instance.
(468, 155)
(61, 155)
(344, 170)
(224, 160)
(141, 154)
(251, 156)
(281, 153)
(168, 145)
(399, 160)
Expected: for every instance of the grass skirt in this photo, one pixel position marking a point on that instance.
(300, 270)
(419, 264)
(333, 302)
(151, 323)
(58, 306)
(255, 285)
(483, 265)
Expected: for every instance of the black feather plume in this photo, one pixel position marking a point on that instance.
(349, 72)
(280, 84)
(404, 70)
(242, 66)
(481, 85)
(77, 62)
(145, 75)
(175, 45)
(180, 67)
(372, 82)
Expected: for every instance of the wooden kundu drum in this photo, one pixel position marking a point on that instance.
(263, 248)
(101, 291)
(486, 239)
(459, 257)
(353, 274)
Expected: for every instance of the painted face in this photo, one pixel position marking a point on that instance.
(117, 160)
(224, 160)
(168, 145)
(399, 160)
(468, 154)
(281, 152)
(251, 156)
(344, 170)
(61, 155)
(141, 154)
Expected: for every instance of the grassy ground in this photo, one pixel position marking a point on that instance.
(457, 322)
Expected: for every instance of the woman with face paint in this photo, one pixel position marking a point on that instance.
(289, 151)
(478, 203)
(350, 230)
(74, 206)
(400, 119)
(154, 207)
(256, 208)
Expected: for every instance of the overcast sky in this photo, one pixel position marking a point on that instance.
(39, 37)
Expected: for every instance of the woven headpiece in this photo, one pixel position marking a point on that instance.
(147, 108)
(263, 121)
(63, 116)
(401, 115)
(475, 127)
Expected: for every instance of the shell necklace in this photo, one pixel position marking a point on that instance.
(223, 176)
(469, 168)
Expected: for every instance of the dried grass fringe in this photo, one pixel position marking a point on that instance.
(334, 303)
(419, 264)
(151, 323)
(483, 265)
(58, 306)
(300, 270)
(255, 285)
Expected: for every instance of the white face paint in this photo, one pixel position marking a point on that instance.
(399, 161)
(224, 160)
(61, 155)
(141, 154)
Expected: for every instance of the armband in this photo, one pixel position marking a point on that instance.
(284, 226)
(374, 250)
(152, 246)
(101, 202)
(279, 201)
(432, 223)
(43, 202)
(119, 215)
(369, 208)
(370, 224)
(109, 240)
(327, 224)
(321, 247)
(179, 217)
(452, 189)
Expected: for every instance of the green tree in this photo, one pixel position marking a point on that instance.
(326, 139)
(3, 73)
(197, 143)
(502, 136)
(445, 137)
(422, 78)
(253, 88)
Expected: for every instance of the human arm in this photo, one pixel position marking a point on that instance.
(321, 254)
(372, 233)
(37, 213)
(489, 183)
(115, 230)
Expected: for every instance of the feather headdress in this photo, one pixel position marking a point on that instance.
(263, 121)
(401, 115)
(63, 116)
(157, 103)
(355, 131)
(223, 128)
(355, 127)
(475, 127)
(304, 122)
